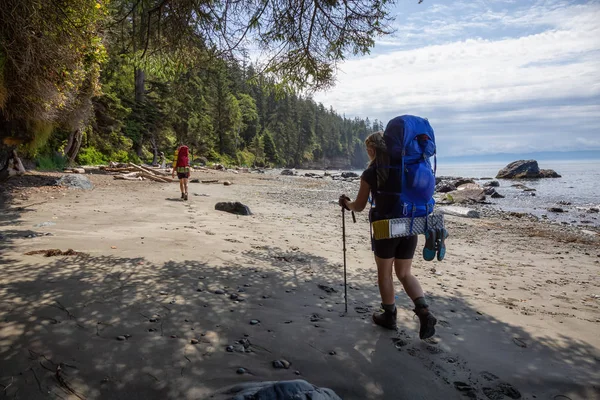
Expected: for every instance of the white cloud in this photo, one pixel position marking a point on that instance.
(537, 78)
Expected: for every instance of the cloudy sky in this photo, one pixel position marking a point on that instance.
(492, 76)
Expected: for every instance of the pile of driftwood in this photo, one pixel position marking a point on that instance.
(134, 172)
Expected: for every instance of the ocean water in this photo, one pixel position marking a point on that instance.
(579, 186)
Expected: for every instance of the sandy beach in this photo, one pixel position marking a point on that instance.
(161, 287)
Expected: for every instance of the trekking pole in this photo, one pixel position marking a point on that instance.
(344, 247)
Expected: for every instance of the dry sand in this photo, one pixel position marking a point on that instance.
(517, 301)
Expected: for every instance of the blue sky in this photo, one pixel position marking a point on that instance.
(492, 76)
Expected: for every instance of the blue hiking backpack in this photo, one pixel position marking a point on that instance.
(410, 142)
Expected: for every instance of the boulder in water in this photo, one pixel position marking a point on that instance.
(75, 181)
(492, 184)
(525, 169)
(556, 210)
(287, 172)
(549, 173)
(233, 207)
(462, 181)
(349, 175)
(445, 187)
(283, 390)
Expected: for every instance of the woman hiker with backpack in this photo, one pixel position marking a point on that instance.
(181, 165)
(396, 253)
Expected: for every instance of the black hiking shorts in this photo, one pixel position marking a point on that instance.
(402, 248)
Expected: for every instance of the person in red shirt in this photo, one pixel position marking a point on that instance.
(181, 165)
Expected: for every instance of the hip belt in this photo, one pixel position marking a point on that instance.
(399, 227)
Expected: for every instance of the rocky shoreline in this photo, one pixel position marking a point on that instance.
(480, 194)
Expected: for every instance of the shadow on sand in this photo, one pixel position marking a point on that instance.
(122, 328)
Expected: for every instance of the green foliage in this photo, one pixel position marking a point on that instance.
(42, 131)
(91, 156)
(245, 158)
(53, 162)
(71, 64)
(51, 58)
(269, 148)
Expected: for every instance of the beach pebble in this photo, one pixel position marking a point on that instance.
(233, 296)
(162, 292)
(121, 338)
(315, 318)
(241, 371)
(254, 322)
(219, 291)
(281, 364)
(229, 349)
(332, 353)
(194, 341)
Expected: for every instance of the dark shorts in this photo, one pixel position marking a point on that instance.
(183, 175)
(402, 247)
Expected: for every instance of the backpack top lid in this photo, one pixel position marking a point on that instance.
(400, 134)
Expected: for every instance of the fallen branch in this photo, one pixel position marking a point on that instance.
(127, 178)
(65, 384)
(142, 169)
(153, 177)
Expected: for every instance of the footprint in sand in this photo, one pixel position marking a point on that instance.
(434, 350)
(443, 323)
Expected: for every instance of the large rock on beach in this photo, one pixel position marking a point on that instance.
(233, 208)
(525, 169)
(519, 170)
(75, 181)
(468, 196)
(287, 172)
(445, 187)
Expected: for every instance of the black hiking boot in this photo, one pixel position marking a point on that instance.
(182, 196)
(427, 322)
(386, 319)
(185, 197)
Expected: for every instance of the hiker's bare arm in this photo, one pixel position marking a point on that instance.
(361, 198)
